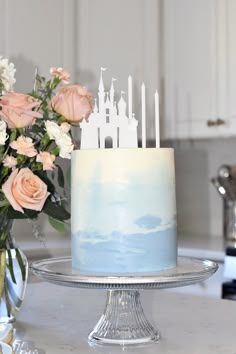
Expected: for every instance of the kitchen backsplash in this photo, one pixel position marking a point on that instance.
(199, 207)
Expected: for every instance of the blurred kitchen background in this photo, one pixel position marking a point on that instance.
(184, 48)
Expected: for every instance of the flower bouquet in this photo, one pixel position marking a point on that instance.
(35, 131)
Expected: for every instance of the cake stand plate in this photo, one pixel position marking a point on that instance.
(123, 321)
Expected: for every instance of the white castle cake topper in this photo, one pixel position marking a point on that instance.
(109, 119)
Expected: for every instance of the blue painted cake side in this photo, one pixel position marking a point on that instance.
(125, 253)
(123, 218)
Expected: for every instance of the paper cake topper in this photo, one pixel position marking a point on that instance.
(109, 120)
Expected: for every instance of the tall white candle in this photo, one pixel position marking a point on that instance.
(143, 100)
(157, 120)
(130, 96)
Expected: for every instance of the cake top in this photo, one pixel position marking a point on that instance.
(111, 124)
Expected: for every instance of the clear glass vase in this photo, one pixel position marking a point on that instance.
(13, 272)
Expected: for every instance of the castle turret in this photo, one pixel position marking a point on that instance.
(112, 92)
(107, 101)
(122, 105)
(109, 120)
(101, 94)
(95, 108)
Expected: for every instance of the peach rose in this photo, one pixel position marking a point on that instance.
(61, 73)
(47, 160)
(73, 102)
(65, 127)
(24, 189)
(10, 161)
(24, 146)
(18, 110)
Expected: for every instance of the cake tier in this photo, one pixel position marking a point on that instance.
(123, 214)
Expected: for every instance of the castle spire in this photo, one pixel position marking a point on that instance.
(95, 108)
(101, 84)
(107, 102)
(122, 105)
(101, 93)
(112, 92)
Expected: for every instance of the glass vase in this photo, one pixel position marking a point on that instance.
(13, 273)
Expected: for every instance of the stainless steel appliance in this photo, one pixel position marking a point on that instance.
(225, 183)
(229, 287)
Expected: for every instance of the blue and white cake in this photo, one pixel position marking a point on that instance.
(123, 214)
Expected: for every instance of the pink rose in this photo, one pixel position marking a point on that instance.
(24, 146)
(65, 127)
(46, 159)
(18, 110)
(10, 162)
(24, 189)
(73, 103)
(61, 73)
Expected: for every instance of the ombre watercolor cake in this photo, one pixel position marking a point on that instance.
(123, 209)
(124, 217)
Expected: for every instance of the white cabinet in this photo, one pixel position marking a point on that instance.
(37, 34)
(230, 44)
(83, 36)
(199, 71)
(122, 36)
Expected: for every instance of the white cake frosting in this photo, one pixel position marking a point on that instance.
(123, 211)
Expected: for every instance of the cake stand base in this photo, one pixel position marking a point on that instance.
(123, 321)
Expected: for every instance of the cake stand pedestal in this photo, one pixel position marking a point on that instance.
(123, 321)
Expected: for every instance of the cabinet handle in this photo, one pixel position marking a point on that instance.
(220, 121)
(211, 123)
(217, 122)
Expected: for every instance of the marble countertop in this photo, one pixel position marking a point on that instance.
(57, 320)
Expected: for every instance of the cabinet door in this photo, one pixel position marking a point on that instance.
(37, 34)
(193, 62)
(122, 36)
(230, 44)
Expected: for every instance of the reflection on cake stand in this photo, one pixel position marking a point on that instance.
(123, 321)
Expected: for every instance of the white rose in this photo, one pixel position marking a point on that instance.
(65, 145)
(53, 129)
(66, 151)
(62, 139)
(3, 133)
(7, 74)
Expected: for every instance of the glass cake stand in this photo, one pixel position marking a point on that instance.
(123, 321)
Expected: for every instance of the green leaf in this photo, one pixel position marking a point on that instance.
(45, 140)
(21, 264)
(56, 224)
(4, 203)
(36, 129)
(13, 135)
(56, 211)
(10, 266)
(43, 176)
(28, 214)
(60, 176)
